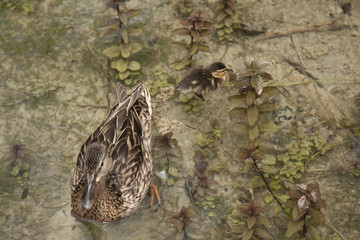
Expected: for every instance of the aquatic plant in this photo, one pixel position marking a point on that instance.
(225, 19)
(184, 7)
(196, 26)
(121, 53)
(25, 6)
(192, 104)
(305, 204)
(182, 220)
(249, 222)
(253, 98)
(159, 81)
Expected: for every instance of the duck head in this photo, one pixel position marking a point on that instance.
(97, 167)
(219, 70)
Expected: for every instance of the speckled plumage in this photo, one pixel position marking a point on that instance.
(118, 156)
(202, 80)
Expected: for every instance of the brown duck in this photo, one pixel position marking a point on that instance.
(114, 167)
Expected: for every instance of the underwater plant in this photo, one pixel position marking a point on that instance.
(184, 7)
(305, 204)
(25, 6)
(196, 26)
(225, 19)
(121, 52)
(249, 221)
(253, 98)
(182, 220)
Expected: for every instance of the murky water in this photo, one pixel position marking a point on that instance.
(56, 88)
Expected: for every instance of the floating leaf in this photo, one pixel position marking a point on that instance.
(194, 48)
(269, 159)
(250, 97)
(173, 171)
(228, 21)
(204, 48)
(268, 92)
(180, 45)
(134, 66)
(253, 133)
(267, 107)
(183, 63)
(112, 51)
(124, 75)
(182, 31)
(252, 115)
(314, 232)
(237, 113)
(268, 127)
(218, 25)
(293, 227)
(135, 47)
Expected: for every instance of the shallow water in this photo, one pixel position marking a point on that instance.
(56, 87)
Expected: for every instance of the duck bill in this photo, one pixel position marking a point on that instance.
(229, 70)
(88, 199)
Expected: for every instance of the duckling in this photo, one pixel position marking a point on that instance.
(201, 80)
(114, 167)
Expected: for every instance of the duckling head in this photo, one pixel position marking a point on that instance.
(97, 166)
(219, 70)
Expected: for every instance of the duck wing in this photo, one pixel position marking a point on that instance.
(198, 80)
(111, 131)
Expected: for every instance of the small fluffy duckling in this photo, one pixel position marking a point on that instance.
(201, 80)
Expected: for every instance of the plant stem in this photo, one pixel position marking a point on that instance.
(266, 183)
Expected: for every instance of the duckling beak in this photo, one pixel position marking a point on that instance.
(88, 199)
(229, 70)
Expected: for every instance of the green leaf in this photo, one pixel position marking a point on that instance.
(268, 92)
(112, 51)
(237, 100)
(220, 17)
(293, 227)
(250, 97)
(182, 31)
(135, 47)
(314, 232)
(262, 233)
(194, 48)
(269, 198)
(251, 221)
(240, 127)
(124, 75)
(252, 115)
(267, 107)
(132, 13)
(269, 159)
(134, 31)
(123, 17)
(268, 127)
(196, 35)
(317, 214)
(277, 209)
(295, 214)
(183, 63)
(237, 113)
(205, 32)
(253, 132)
(253, 181)
(247, 233)
(134, 66)
(248, 166)
(125, 51)
(178, 45)
(262, 220)
(121, 65)
(204, 48)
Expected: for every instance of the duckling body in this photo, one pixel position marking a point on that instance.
(114, 166)
(202, 80)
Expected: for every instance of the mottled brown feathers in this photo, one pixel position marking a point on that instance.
(122, 179)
